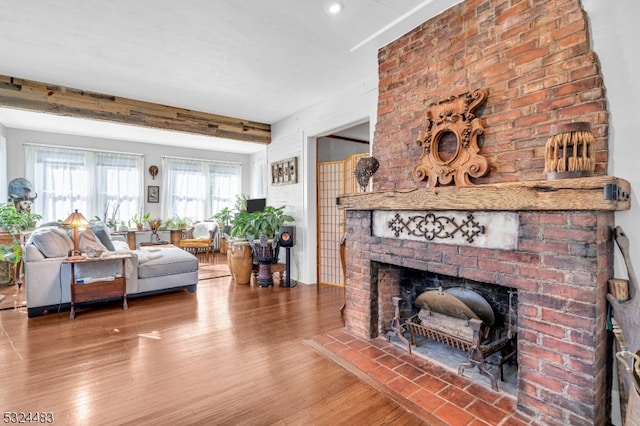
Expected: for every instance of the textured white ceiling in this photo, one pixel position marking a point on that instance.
(252, 59)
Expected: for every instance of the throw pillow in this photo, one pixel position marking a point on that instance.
(52, 242)
(201, 230)
(88, 240)
(103, 236)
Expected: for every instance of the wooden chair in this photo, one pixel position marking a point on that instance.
(199, 240)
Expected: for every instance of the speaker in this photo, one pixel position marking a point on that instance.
(287, 236)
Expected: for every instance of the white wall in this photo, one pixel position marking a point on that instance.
(16, 139)
(296, 136)
(614, 32)
(259, 185)
(330, 149)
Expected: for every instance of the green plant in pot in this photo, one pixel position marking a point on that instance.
(12, 222)
(223, 218)
(241, 202)
(140, 220)
(260, 226)
(268, 221)
(176, 222)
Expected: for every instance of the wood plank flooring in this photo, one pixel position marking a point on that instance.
(228, 355)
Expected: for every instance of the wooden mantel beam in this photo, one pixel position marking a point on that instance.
(42, 97)
(598, 193)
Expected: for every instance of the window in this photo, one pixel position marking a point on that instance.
(89, 181)
(3, 176)
(198, 189)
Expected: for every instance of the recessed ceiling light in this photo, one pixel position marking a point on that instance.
(334, 7)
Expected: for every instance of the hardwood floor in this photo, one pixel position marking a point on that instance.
(228, 355)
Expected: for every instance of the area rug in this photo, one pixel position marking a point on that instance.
(209, 272)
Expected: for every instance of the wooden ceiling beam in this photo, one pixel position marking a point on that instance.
(43, 97)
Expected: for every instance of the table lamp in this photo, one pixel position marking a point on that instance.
(76, 221)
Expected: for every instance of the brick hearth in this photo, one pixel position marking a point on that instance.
(436, 394)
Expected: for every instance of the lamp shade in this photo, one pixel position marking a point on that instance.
(75, 220)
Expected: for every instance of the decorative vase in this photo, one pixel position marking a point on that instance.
(155, 225)
(263, 252)
(241, 257)
(229, 263)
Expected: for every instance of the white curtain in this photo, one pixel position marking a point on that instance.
(225, 181)
(259, 179)
(93, 182)
(3, 176)
(119, 181)
(196, 189)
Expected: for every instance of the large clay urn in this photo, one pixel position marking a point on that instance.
(240, 260)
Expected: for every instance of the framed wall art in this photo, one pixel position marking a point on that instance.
(284, 172)
(153, 194)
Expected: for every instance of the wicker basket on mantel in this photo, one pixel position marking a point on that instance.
(569, 152)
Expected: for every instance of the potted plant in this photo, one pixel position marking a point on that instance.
(268, 221)
(265, 247)
(241, 202)
(154, 225)
(111, 214)
(245, 226)
(12, 223)
(175, 222)
(140, 219)
(224, 217)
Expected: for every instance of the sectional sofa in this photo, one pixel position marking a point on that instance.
(147, 272)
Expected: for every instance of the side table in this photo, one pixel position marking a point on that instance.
(83, 290)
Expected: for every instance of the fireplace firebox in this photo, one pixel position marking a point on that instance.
(477, 318)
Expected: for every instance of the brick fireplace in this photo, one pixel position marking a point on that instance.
(560, 270)
(535, 62)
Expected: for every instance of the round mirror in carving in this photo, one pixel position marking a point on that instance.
(446, 147)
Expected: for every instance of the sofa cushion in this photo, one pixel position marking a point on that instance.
(87, 240)
(120, 247)
(32, 254)
(171, 261)
(103, 236)
(52, 241)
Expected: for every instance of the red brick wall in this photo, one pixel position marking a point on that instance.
(533, 56)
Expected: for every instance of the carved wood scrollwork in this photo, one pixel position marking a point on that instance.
(450, 143)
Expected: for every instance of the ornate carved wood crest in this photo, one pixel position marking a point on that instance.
(450, 143)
